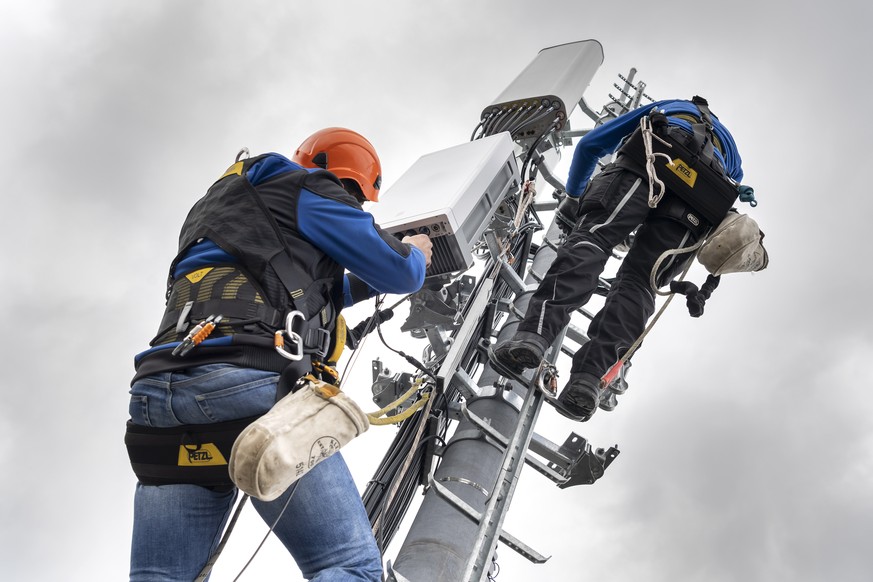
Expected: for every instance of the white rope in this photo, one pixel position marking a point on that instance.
(653, 275)
(648, 134)
(627, 355)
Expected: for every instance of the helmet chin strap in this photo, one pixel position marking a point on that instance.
(320, 160)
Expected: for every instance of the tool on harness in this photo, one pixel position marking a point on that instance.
(300, 431)
(324, 373)
(747, 195)
(312, 340)
(223, 289)
(197, 334)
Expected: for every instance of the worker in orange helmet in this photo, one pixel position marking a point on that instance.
(272, 237)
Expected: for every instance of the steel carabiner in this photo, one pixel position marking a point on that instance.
(279, 338)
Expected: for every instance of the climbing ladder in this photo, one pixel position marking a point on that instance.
(456, 530)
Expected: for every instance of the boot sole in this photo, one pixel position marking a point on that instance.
(516, 365)
(566, 412)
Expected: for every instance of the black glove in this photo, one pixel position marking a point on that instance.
(567, 213)
(354, 335)
(695, 298)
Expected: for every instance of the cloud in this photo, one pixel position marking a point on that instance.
(746, 447)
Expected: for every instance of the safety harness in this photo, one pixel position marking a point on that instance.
(274, 309)
(687, 183)
(702, 199)
(193, 454)
(684, 164)
(272, 280)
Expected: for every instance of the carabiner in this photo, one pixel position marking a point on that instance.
(547, 379)
(279, 339)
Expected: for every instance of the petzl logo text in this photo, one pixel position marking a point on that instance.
(681, 169)
(203, 455)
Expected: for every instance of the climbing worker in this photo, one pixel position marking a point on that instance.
(261, 255)
(603, 213)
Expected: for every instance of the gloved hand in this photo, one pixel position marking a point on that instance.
(567, 213)
(355, 334)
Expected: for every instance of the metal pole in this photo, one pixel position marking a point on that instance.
(439, 543)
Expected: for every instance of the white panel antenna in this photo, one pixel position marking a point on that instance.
(546, 91)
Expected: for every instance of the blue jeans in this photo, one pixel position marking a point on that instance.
(177, 527)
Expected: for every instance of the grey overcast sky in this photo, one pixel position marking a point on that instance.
(746, 436)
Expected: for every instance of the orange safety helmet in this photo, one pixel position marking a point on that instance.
(346, 154)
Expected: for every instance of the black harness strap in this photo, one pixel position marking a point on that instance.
(704, 133)
(234, 309)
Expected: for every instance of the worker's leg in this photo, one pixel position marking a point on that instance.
(175, 530)
(631, 300)
(614, 204)
(177, 527)
(325, 526)
(629, 304)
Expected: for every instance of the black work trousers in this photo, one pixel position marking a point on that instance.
(613, 205)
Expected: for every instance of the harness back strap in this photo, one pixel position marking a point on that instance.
(227, 214)
(225, 290)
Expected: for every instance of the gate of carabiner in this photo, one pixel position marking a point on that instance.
(294, 337)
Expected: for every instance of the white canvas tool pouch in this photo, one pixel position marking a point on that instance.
(736, 246)
(300, 430)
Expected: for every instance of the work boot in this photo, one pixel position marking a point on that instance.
(581, 395)
(524, 350)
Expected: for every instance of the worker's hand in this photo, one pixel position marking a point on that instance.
(566, 214)
(423, 243)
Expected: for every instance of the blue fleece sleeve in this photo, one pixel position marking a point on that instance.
(350, 237)
(605, 139)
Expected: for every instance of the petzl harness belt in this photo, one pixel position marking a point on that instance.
(193, 454)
